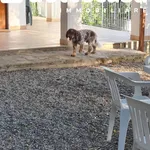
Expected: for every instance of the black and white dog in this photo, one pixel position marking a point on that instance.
(81, 36)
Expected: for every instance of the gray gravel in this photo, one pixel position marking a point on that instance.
(57, 109)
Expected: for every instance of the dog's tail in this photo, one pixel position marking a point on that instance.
(99, 44)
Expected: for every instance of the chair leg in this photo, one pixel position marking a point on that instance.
(111, 122)
(124, 121)
(134, 146)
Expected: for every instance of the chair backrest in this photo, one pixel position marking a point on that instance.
(111, 78)
(128, 78)
(140, 116)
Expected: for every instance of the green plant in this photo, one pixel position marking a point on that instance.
(34, 8)
(91, 13)
(105, 15)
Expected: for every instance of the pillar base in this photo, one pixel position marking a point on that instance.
(52, 19)
(147, 38)
(63, 42)
(23, 27)
(135, 37)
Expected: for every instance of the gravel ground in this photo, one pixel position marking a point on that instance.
(59, 109)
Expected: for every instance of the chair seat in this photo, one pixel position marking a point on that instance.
(141, 98)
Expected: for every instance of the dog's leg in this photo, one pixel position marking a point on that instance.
(74, 50)
(89, 49)
(81, 48)
(94, 49)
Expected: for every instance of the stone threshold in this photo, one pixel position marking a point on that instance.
(5, 30)
(62, 59)
(16, 51)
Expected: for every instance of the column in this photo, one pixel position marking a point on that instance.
(135, 20)
(17, 16)
(70, 18)
(53, 11)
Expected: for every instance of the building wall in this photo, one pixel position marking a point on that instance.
(17, 15)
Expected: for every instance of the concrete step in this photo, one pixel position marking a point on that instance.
(17, 51)
(39, 59)
(134, 45)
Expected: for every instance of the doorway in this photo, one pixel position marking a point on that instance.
(3, 15)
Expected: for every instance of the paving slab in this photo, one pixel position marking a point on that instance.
(61, 58)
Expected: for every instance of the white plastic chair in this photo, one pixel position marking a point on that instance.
(132, 79)
(146, 67)
(140, 116)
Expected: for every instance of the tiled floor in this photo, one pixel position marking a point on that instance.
(39, 34)
(43, 33)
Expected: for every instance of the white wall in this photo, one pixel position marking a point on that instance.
(16, 14)
(42, 8)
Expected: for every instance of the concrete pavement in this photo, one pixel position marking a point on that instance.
(58, 58)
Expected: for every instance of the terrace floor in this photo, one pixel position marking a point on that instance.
(46, 34)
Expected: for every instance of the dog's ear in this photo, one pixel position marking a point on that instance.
(67, 34)
(78, 36)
